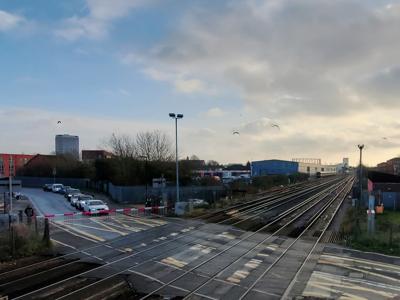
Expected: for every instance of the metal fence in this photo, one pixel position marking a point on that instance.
(137, 194)
(37, 182)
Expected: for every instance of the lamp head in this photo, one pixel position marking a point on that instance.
(172, 115)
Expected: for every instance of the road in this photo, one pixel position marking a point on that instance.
(73, 229)
(48, 202)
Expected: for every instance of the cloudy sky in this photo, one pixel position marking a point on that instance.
(328, 72)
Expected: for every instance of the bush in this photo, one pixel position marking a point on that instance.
(19, 242)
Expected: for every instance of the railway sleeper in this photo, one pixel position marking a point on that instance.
(23, 287)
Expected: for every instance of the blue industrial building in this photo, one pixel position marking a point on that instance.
(273, 167)
(386, 189)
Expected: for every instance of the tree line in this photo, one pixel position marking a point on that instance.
(136, 160)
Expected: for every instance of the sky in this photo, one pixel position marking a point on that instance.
(327, 72)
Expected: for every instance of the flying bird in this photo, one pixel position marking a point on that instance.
(385, 138)
(236, 132)
(276, 125)
(58, 122)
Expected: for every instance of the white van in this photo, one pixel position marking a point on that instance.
(56, 187)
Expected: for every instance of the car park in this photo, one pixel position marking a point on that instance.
(95, 207)
(56, 187)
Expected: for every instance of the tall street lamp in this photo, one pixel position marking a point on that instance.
(145, 174)
(176, 117)
(361, 147)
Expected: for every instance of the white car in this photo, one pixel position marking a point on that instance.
(78, 199)
(56, 187)
(95, 206)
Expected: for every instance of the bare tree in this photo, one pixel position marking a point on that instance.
(122, 146)
(154, 145)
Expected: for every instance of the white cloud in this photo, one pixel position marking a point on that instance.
(287, 57)
(96, 24)
(215, 112)
(189, 86)
(9, 21)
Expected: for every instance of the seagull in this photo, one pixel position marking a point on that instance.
(276, 125)
(58, 122)
(236, 132)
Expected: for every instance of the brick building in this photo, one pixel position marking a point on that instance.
(19, 160)
(392, 166)
(91, 155)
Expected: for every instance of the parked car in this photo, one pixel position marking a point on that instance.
(81, 199)
(198, 202)
(95, 207)
(56, 187)
(71, 192)
(48, 187)
(64, 189)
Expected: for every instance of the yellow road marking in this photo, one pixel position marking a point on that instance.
(134, 229)
(84, 233)
(380, 264)
(61, 243)
(359, 270)
(174, 262)
(108, 227)
(143, 223)
(120, 222)
(92, 227)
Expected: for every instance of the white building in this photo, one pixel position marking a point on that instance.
(313, 166)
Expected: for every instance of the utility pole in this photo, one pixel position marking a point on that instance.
(176, 117)
(145, 175)
(361, 147)
(11, 168)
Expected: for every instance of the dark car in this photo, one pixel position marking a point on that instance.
(70, 193)
(63, 190)
(48, 187)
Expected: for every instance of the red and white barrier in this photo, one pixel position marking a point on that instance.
(143, 211)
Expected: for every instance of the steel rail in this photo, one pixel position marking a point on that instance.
(275, 194)
(285, 199)
(294, 279)
(311, 197)
(283, 215)
(321, 212)
(255, 247)
(216, 255)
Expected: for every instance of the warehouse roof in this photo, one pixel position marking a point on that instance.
(378, 177)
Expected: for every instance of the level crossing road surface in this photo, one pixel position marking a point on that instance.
(350, 274)
(83, 229)
(156, 251)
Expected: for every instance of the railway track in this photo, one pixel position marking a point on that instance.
(108, 274)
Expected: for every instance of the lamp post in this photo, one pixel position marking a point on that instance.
(11, 170)
(145, 174)
(176, 117)
(361, 147)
